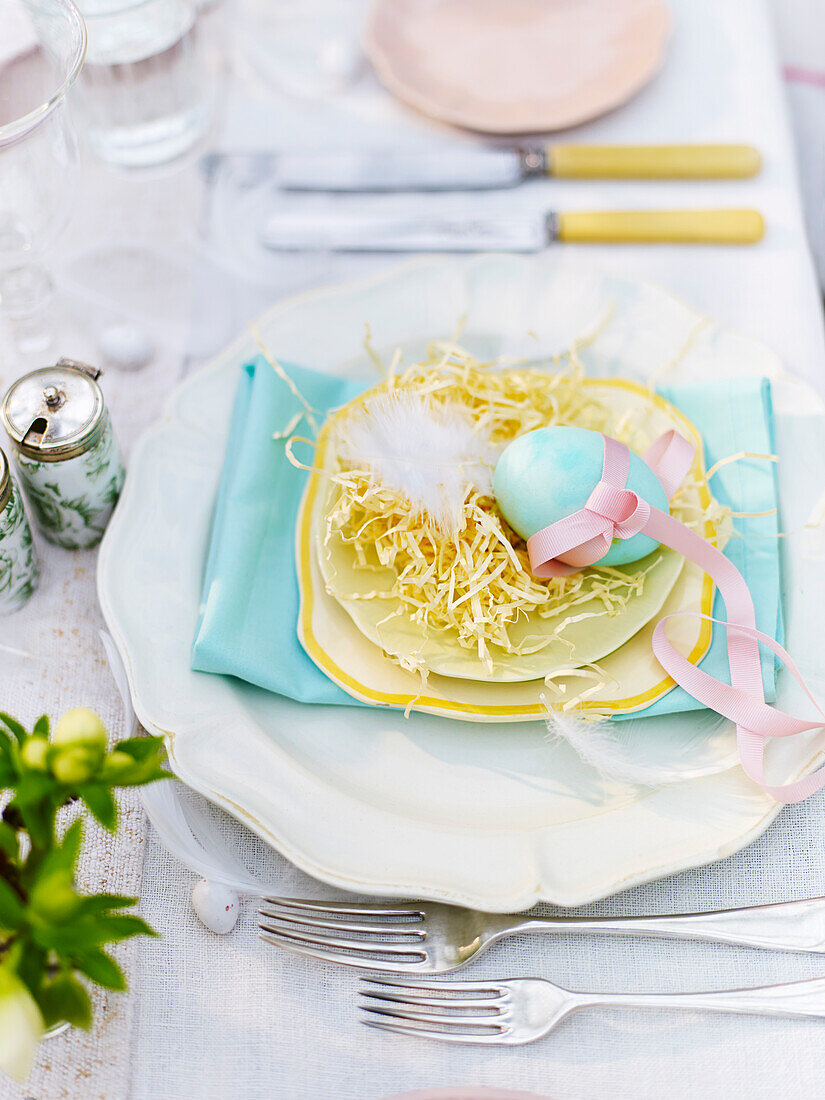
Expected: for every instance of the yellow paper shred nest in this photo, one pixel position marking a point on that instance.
(476, 583)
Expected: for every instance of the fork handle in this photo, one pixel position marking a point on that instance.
(782, 926)
(805, 999)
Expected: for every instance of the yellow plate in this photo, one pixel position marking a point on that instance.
(345, 654)
(388, 624)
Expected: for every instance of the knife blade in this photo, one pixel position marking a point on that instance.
(475, 168)
(336, 231)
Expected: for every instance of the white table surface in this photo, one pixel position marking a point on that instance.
(229, 1018)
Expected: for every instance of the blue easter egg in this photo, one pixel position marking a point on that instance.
(549, 473)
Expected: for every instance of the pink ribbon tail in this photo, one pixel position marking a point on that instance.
(612, 511)
(743, 700)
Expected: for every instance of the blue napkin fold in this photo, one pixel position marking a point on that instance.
(249, 608)
(733, 415)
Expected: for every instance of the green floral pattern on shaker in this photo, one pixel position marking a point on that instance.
(73, 499)
(18, 559)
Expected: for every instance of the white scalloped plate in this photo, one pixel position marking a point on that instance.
(486, 815)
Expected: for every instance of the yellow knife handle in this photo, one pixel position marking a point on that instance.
(653, 161)
(661, 226)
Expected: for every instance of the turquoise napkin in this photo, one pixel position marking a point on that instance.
(249, 608)
(734, 415)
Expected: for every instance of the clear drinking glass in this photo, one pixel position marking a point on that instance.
(42, 45)
(145, 93)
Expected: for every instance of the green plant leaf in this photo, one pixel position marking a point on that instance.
(144, 773)
(13, 726)
(81, 929)
(146, 756)
(41, 726)
(70, 845)
(38, 820)
(8, 841)
(31, 965)
(5, 746)
(124, 926)
(68, 938)
(12, 910)
(102, 969)
(32, 787)
(101, 803)
(140, 747)
(64, 998)
(98, 903)
(52, 896)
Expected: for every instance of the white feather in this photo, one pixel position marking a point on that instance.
(616, 754)
(429, 453)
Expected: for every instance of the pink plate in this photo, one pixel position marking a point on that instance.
(515, 66)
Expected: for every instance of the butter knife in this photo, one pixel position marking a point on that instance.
(475, 168)
(337, 231)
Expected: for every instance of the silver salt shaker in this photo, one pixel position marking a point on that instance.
(18, 559)
(65, 451)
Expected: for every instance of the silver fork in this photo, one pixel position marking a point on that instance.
(523, 1009)
(426, 937)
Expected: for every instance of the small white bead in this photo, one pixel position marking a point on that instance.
(217, 906)
(340, 60)
(125, 346)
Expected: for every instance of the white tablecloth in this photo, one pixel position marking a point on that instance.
(229, 1018)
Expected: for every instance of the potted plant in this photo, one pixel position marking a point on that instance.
(52, 938)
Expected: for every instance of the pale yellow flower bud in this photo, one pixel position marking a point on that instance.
(21, 1026)
(74, 766)
(81, 728)
(33, 753)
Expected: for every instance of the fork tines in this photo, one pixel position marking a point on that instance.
(377, 937)
(460, 1012)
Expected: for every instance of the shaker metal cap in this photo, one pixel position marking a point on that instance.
(55, 412)
(5, 481)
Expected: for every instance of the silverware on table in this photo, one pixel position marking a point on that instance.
(469, 168)
(523, 1009)
(423, 937)
(349, 231)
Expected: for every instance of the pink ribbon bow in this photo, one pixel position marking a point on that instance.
(613, 511)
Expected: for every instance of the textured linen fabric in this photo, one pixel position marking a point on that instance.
(250, 606)
(51, 656)
(246, 1020)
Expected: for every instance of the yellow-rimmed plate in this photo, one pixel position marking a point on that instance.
(458, 686)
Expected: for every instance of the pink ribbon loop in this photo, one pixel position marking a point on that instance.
(613, 511)
(625, 512)
(670, 457)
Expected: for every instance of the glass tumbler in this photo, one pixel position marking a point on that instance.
(42, 45)
(146, 94)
